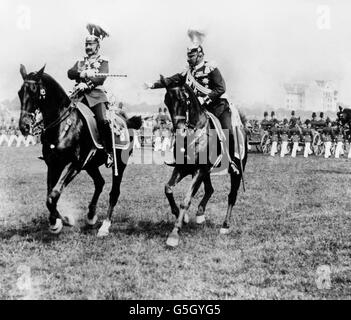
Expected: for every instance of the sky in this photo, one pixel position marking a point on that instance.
(257, 45)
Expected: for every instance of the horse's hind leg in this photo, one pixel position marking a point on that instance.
(68, 173)
(173, 238)
(114, 195)
(234, 187)
(99, 183)
(200, 215)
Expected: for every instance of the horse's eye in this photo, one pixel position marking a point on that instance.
(33, 87)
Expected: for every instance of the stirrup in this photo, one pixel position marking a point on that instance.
(109, 160)
(234, 167)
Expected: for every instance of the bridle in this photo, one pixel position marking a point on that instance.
(33, 115)
(189, 127)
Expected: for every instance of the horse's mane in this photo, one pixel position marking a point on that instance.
(192, 96)
(52, 83)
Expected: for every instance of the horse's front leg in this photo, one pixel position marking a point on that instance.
(200, 215)
(114, 195)
(173, 238)
(176, 177)
(68, 173)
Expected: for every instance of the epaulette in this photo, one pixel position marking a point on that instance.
(184, 71)
(103, 58)
(211, 65)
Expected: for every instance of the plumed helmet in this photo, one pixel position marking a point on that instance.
(272, 113)
(160, 109)
(321, 114)
(265, 114)
(314, 115)
(293, 113)
(96, 33)
(308, 121)
(196, 37)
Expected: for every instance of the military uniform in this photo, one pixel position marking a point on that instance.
(307, 137)
(206, 81)
(94, 96)
(328, 136)
(295, 137)
(266, 125)
(274, 133)
(284, 137)
(339, 140)
(208, 84)
(96, 93)
(3, 132)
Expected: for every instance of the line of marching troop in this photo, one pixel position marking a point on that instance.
(330, 137)
(10, 135)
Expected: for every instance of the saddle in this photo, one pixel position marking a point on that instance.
(238, 128)
(117, 123)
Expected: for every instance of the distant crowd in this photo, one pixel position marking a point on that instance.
(10, 135)
(320, 136)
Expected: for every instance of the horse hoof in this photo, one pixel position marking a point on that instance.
(173, 240)
(92, 222)
(69, 221)
(200, 219)
(224, 231)
(57, 227)
(104, 229)
(186, 218)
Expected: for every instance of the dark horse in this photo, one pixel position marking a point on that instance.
(67, 145)
(197, 157)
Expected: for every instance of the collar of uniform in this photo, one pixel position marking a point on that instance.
(198, 66)
(93, 57)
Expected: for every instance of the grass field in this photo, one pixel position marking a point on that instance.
(293, 218)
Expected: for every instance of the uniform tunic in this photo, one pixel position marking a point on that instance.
(96, 93)
(307, 134)
(206, 81)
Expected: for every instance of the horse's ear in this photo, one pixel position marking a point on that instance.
(41, 72)
(163, 81)
(340, 108)
(23, 71)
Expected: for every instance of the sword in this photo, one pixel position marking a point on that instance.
(109, 75)
(241, 162)
(114, 145)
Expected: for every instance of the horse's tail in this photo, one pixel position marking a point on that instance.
(134, 122)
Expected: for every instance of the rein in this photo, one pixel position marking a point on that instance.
(42, 96)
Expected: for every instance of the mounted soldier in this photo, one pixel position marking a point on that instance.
(205, 79)
(89, 87)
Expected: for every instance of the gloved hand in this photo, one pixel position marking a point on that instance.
(148, 85)
(81, 86)
(89, 73)
(201, 100)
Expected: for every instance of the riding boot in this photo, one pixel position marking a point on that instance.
(106, 139)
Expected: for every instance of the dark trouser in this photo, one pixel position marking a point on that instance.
(103, 125)
(223, 113)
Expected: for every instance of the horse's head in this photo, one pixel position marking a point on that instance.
(183, 106)
(176, 100)
(30, 95)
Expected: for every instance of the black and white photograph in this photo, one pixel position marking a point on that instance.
(175, 151)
